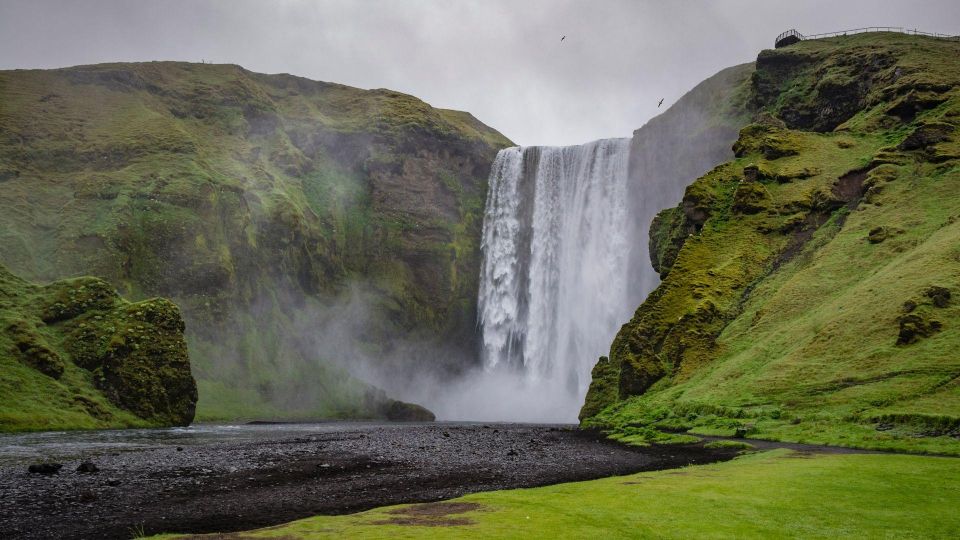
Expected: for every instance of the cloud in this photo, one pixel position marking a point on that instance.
(502, 61)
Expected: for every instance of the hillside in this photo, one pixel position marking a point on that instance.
(291, 220)
(73, 354)
(809, 285)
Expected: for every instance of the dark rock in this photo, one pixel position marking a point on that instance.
(877, 235)
(87, 467)
(45, 468)
(909, 306)
(399, 411)
(914, 326)
(113, 482)
(744, 430)
(939, 295)
(927, 135)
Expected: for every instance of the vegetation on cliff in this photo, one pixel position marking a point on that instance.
(268, 207)
(809, 285)
(73, 354)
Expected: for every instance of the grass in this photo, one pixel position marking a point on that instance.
(780, 316)
(777, 494)
(238, 195)
(74, 355)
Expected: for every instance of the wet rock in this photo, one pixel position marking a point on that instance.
(87, 467)
(45, 468)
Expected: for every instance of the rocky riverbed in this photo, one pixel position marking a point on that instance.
(228, 478)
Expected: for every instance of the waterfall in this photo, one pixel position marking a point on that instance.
(558, 240)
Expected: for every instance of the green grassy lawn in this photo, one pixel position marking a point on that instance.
(777, 494)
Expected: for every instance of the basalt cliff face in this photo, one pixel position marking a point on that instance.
(809, 284)
(73, 354)
(291, 220)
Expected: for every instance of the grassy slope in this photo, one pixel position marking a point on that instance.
(746, 335)
(43, 387)
(767, 495)
(253, 201)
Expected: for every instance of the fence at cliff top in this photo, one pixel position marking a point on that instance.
(792, 36)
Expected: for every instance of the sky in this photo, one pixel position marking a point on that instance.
(501, 60)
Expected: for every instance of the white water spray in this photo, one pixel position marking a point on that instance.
(554, 280)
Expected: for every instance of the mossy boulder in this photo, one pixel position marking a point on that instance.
(750, 198)
(139, 359)
(32, 349)
(770, 142)
(401, 411)
(110, 356)
(914, 326)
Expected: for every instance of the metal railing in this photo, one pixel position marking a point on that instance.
(899, 29)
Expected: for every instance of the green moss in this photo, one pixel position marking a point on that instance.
(739, 445)
(76, 355)
(238, 195)
(784, 312)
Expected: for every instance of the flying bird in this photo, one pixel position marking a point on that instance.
(661, 103)
(563, 38)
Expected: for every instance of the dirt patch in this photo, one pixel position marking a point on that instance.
(431, 515)
(436, 509)
(425, 521)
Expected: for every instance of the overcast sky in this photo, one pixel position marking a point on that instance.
(501, 60)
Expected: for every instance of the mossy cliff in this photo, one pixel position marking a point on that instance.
(809, 284)
(265, 206)
(73, 354)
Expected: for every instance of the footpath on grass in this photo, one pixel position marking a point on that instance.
(783, 493)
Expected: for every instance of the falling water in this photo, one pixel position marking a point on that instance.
(557, 240)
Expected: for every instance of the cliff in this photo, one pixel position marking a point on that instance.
(274, 210)
(809, 283)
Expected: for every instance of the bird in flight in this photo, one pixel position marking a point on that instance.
(563, 38)
(661, 103)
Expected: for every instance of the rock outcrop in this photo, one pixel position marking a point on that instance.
(274, 210)
(75, 354)
(806, 283)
